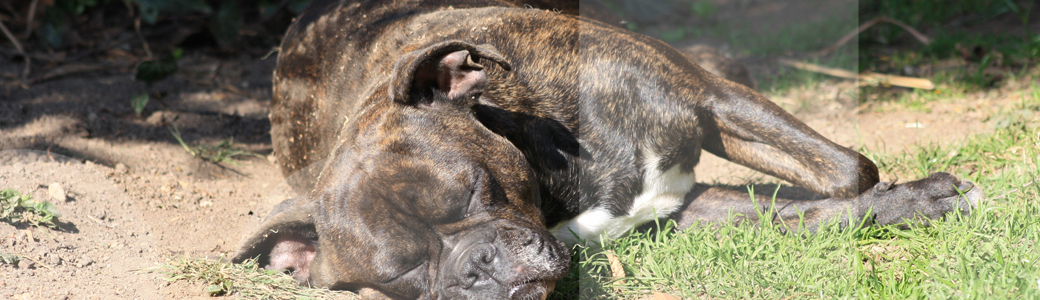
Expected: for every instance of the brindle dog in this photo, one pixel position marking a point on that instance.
(461, 141)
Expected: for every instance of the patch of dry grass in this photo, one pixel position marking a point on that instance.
(245, 280)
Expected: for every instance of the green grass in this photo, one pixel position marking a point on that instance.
(990, 254)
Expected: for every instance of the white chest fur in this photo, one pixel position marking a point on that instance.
(663, 193)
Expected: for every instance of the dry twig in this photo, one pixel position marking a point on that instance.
(920, 37)
(35, 261)
(137, 28)
(29, 23)
(17, 45)
(69, 69)
(867, 78)
(102, 223)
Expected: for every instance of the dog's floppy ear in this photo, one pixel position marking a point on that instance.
(287, 239)
(451, 67)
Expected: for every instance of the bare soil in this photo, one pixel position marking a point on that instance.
(134, 198)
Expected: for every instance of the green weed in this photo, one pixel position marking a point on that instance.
(16, 207)
(674, 35)
(151, 71)
(223, 152)
(703, 8)
(138, 102)
(10, 259)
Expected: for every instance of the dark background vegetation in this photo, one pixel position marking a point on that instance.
(990, 33)
(67, 30)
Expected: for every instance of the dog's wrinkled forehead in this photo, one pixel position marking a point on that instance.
(432, 190)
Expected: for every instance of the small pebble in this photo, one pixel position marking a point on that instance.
(121, 168)
(84, 261)
(56, 192)
(156, 119)
(26, 264)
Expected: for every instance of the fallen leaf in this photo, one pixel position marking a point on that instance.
(616, 270)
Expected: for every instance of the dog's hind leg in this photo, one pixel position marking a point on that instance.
(745, 127)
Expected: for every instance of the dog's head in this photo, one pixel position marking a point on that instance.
(423, 202)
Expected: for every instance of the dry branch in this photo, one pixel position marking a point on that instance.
(867, 78)
(29, 23)
(917, 34)
(70, 69)
(17, 45)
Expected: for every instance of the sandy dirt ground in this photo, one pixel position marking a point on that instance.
(131, 197)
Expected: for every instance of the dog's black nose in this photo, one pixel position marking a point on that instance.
(478, 265)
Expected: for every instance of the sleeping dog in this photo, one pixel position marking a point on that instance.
(463, 144)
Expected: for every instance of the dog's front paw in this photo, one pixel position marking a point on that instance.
(921, 200)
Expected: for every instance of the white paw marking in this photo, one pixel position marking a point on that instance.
(662, 195)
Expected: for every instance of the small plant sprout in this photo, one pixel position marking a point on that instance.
(223, 152)
(149, 72)
(15, 207)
